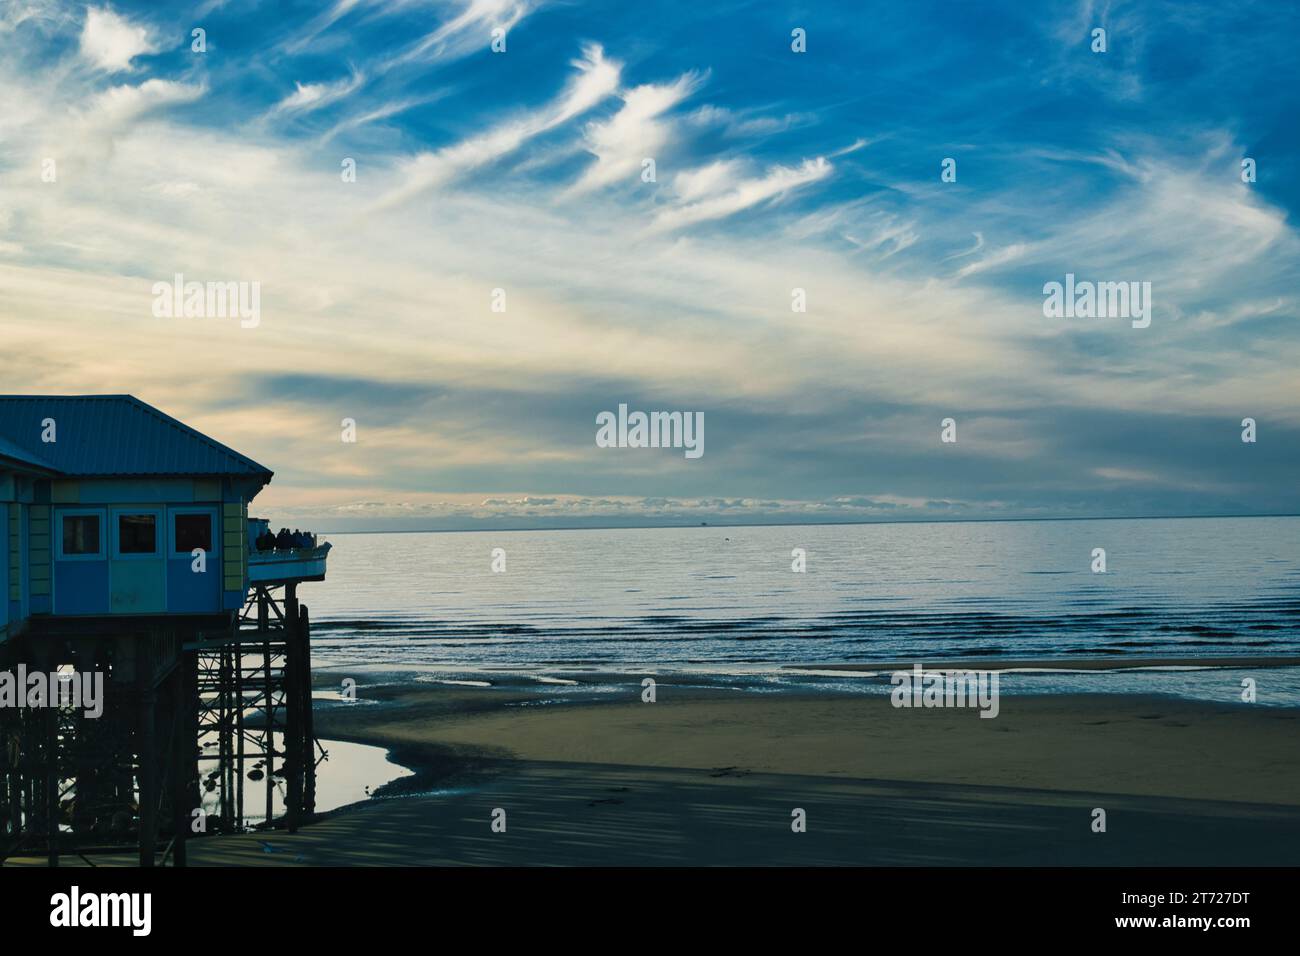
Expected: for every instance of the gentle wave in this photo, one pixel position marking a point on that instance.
(728, 596)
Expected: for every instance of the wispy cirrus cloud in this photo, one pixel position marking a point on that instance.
(731, 197)
(595, 79)
(752, 123)
(636, 132)
(468, 30)
(309, 97)
(995, 259)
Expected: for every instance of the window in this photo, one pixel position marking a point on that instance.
(137, 534)
(193, 531)
(81, 534)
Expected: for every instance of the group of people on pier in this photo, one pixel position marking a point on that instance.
(286, 540)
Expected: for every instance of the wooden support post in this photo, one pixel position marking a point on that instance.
(268, 705)
(182, 758)
(17, 758)
(29, 798)
(237, 652)
(224, 743)
(148, 747)
(293, 709)
(51, 716)
(264, 628)
(192, 761)
(308, 730)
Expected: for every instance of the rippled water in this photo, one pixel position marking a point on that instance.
(727, 596)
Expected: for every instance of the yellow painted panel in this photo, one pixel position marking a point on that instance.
(65, 492)
(207, 489)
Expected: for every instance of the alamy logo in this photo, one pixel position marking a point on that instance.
(653, 430)
(102, 909)
(1098, 300)
(36, 689)
(208, 300)
(919, 688)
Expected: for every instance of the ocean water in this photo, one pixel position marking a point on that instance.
(724, 599)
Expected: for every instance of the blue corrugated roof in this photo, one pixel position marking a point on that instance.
(9, 452)
(114, 435)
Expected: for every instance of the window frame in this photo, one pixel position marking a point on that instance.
(157, 553)
(211, 512)
(60, 514)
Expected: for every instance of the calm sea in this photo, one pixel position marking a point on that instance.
(726, 599)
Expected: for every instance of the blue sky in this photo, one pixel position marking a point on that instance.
(774, 171)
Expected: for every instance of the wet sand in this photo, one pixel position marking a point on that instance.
(712, 777)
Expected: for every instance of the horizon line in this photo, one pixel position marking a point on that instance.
(779, 524)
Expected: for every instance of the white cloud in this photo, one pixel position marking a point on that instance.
(741, 125)
(173, 190)
(886, 235)
(379, 113)
(15, 13)
(111, 42)
(979, 244)
(693, 184)
(636, 132)
(122, 104)
(749, 192)
(994, 260)
(597, 78)
(322, 22)
(308, 97)
(469, 30)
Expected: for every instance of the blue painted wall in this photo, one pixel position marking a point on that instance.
(4, 568)
(167, 578)
(80, 587)
(189, 589)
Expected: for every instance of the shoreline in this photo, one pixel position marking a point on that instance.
(449, 734)
(938, 662)
(1098, 663)
(452, 735)
(437, 762)
(1217, 679)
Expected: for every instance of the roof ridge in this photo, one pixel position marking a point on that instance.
(125, 407)
(193, 432)
(15, 452)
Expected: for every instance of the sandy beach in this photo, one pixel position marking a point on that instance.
(712, 777)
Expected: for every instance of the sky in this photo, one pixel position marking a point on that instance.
(486, 177)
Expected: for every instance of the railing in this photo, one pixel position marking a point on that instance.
(294, 564)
